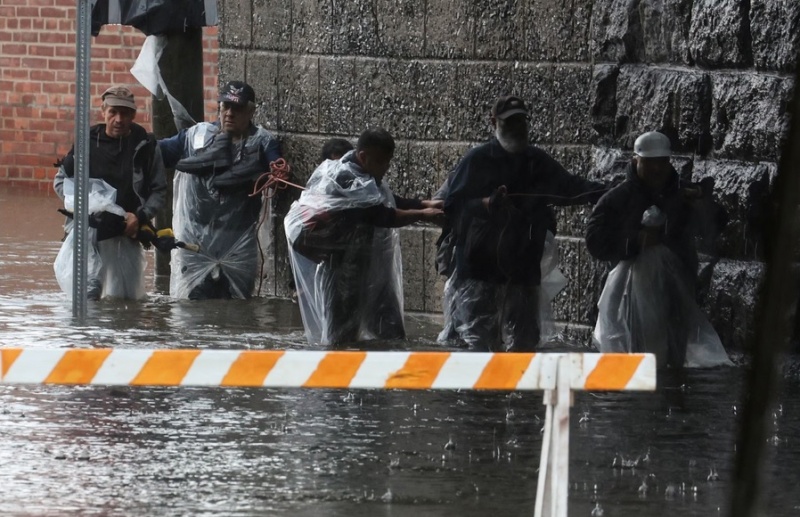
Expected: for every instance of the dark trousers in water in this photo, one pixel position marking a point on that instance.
(357, 302)
(496, 317)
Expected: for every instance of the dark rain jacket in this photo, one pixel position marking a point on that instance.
(612, 233)
(506, 244)
(141, 170)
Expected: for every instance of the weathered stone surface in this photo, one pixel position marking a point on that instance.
(775, 29)
(749, 117)
(401, 27)
(478, 85)
(557, 30)
(719, 36)
(604, 102)
(262, 75)
(448, 157)
(616, 31)
(500, 27)
(571, 99)
(741, 188)
(732, 300)
(270, 30)
(411, 99)
(355, 29)
(534, 84)
(340, 111)
(235, 22)
(677, 103)
(417, 177)
(298, 87)
(312, 27)
(665, 28)
(412, 249)
(450, 29)
(302, 152)
(231, 65)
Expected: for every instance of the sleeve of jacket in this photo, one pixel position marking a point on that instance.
(271, 150)
(172, 148)
(467, 189)
(65, 170)
(157, 188)
(606, 234)
(572, 189)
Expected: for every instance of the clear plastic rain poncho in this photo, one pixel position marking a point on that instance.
(348, 272)
(474, 328)
(116, 265)
(648, 306)
(231, 228)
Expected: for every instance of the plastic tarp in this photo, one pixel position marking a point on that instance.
(474, 329)
(116, 265)
(154, 16)
(648, 305)
(231, 228)
(348, 273)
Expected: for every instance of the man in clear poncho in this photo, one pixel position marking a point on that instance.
(127, 188)
(645, 226)
(216, 167)
(345, 248)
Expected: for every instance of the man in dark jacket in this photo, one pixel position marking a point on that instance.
(499, 206)
(126, 156)
(645, 224)
(615, 231)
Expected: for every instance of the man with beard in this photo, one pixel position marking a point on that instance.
(499, 205)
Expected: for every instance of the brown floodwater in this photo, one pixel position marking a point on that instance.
(252, 452)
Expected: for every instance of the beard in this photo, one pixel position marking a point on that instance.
(512, 143)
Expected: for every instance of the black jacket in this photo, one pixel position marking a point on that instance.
(141, 172)
(506, 244)
(612, 233)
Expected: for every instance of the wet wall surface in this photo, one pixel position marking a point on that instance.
(716, 76)
(231, 452)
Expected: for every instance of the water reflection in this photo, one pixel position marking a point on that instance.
(200, 451)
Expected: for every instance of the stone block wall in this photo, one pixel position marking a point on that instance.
(715, 75)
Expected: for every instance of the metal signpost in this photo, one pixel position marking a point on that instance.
(81, 210)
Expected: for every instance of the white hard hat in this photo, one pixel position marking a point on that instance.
(652, 145)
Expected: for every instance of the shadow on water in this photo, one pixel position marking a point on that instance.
(199, 451)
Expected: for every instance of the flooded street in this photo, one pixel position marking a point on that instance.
(247, 452)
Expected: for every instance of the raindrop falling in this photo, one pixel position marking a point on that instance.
(387, 497)
(450, 445)
(597, 511)
(712, 475)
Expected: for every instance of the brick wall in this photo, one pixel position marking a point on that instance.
(37, 83)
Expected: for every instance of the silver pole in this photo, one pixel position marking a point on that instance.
(81, 214)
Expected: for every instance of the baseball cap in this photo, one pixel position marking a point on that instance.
(237, 92)
(652, 145)
(119, 96)
(507, 106)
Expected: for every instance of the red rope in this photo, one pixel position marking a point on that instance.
(276, 179)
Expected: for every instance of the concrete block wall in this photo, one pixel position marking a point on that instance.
(37, 83)
(715, 75)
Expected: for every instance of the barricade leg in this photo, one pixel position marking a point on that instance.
(553, 485)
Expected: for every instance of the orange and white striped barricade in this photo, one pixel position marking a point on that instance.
(557, 374)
